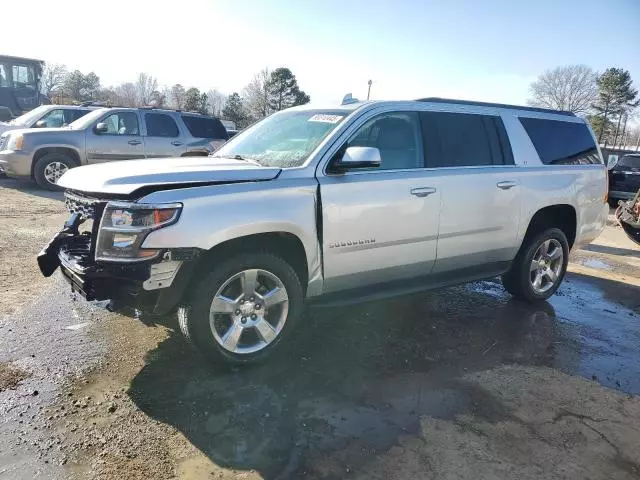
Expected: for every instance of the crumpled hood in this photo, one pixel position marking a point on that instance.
(125, 177)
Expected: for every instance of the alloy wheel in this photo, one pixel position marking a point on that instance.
(546, 266)
(54, 170)
(249, 311)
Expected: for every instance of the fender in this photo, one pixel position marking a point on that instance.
(214, 214)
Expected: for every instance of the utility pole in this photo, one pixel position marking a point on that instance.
(369, 91)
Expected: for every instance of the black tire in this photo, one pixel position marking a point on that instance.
(517, 281)
(41, 165)
(193, 317)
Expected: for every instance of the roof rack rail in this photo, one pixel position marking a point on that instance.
(497, 105)
(94, 103)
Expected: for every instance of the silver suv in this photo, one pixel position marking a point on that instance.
(333, 205)
(105, 135)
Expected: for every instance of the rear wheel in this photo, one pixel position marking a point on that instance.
(539, 267)
(243, 310)
(49, 168)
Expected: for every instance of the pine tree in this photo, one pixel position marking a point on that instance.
(283, 90)
(192, 100)
(234, 110)
(616, 95)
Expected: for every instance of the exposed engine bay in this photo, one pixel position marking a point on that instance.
(628, 216)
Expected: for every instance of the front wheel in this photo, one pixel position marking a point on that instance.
(243, 310)
(49, 168)
(539, 267)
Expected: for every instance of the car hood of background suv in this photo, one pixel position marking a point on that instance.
(126, 177)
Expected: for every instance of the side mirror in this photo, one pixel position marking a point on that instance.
(41, 124)
(101, 127)
(358, 157)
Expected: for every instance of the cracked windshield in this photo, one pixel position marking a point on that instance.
(320, 240)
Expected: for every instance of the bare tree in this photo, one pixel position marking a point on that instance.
(53, 78)
(145, 86)
(126, 95)
(571, 88)
(215, 102)
(177, 96)
(256, 95)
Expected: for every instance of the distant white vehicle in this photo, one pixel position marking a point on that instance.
(47, 116)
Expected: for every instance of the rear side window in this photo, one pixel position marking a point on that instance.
(72, 115)
(629, 161)
(561, 143)
(464, 140)
(160, 125)
(205, 127)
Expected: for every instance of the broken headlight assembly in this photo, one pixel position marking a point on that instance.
(124, 226)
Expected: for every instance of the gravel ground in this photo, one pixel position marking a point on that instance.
(455, 384)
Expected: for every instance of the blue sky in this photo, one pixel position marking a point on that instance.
(485, 50)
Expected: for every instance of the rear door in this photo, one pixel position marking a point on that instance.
(381, 225)
(121, 141)
(163, 137)
(480, 199)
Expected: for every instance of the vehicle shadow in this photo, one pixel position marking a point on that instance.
(351, 381)
(30, 188)
(624, 252)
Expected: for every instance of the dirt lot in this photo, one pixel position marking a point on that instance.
(456, 384)
(29, 218)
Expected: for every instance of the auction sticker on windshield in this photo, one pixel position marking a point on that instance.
(323, 117)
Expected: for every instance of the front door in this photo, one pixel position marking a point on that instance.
(480, 190)
(121, 141)
(163, 138)
(381, 225)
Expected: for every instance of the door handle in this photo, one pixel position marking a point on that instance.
(176, 143)
(134, 142)
(506, 185)
(422, 191)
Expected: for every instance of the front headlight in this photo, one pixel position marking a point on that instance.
(124, 226)
(15, 142)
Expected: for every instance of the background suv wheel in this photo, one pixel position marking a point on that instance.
(49, 168)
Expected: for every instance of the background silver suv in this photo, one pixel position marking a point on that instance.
(47, 116)
(105, 135)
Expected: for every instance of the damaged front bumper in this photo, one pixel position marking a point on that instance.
(154, 286)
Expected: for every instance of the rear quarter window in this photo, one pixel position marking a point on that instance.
(205, 127)
(561, 143)
(629, 161)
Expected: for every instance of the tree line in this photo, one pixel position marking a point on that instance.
(267, 92)
(607, 100)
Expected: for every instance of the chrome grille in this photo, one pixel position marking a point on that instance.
(87, 208)
(2, 140)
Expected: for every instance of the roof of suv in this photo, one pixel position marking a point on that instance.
(154, 109)
(348, 107)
